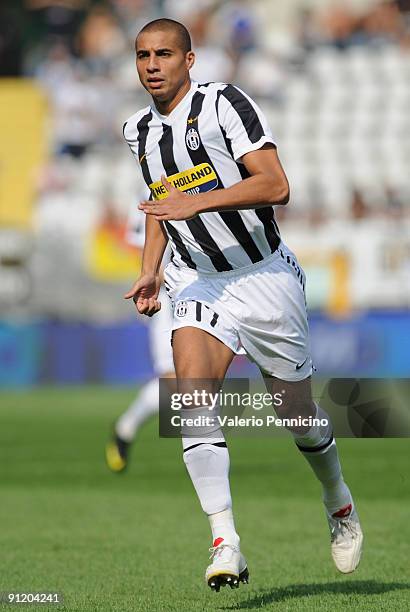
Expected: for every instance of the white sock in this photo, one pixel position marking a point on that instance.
(206, 458)
(326, 466)
(208, 467)
(318, 435)
(141, 409)
(223, 526)
(319, 448)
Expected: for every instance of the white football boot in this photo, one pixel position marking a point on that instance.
(346, 538)
(228, 566)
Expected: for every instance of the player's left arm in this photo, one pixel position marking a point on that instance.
(266, 186)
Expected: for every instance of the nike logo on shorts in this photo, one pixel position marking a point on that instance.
(300, 365)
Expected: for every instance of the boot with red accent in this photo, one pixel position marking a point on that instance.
(346, 538)
(228, 566)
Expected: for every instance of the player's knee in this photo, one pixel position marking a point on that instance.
(296, 412)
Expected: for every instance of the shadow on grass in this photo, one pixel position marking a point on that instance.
(293, 591)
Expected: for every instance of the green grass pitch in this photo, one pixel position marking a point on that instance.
(138, 541)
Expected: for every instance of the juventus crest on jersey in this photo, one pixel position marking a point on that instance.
(199, 147)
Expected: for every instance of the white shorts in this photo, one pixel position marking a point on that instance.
(160, 329)
(259, 310)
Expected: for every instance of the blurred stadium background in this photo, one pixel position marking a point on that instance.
(334, 81)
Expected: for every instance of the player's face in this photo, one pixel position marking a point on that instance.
(163, 68)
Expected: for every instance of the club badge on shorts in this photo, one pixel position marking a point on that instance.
(181, 308)
(192, 139)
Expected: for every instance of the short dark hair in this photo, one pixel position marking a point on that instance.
(184, 39)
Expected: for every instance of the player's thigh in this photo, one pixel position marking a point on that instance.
(160, 326)
(199, 356)
(273, 321)
(205, 338)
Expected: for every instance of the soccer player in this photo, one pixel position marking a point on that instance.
(145, 404)
(210, 161)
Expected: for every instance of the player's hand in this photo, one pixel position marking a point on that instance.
(145, 294)
(178, 206)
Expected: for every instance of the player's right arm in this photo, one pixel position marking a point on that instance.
(146, 289)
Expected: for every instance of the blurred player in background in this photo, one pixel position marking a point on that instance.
(145, 404)
(210, 161)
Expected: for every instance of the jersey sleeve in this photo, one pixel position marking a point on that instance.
(131, 139)
(242, 121)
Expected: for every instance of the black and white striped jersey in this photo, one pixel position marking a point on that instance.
(199, 147)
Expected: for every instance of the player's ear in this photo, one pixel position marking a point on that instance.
(190, 59)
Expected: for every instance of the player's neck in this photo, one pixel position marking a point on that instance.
(165, 107)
